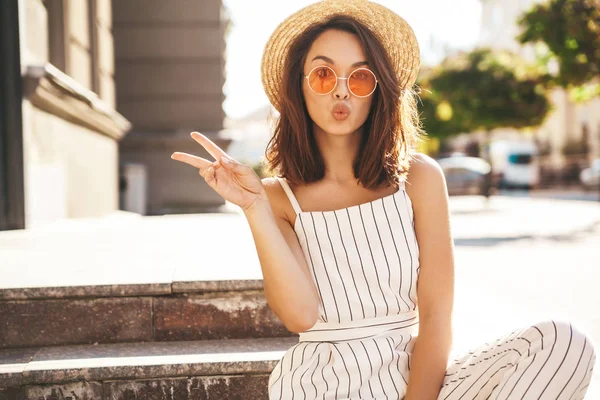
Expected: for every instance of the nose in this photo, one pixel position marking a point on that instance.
(341, 89)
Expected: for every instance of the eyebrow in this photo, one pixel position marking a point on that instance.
(330, 61)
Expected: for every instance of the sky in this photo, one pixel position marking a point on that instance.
(446, 23)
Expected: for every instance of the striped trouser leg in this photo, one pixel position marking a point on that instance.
(548, 360)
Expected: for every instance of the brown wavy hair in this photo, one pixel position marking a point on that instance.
(391, 132)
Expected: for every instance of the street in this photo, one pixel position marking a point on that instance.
(519, 260)
(558, 194)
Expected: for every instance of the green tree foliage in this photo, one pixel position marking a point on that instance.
(568, 33)
(481, 90)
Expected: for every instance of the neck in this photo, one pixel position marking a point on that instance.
(339, 152)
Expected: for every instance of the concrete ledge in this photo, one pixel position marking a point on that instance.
(223, 387)
(62, 292)
(230, 315)
(51, 90)
(217, 286)
(129, 290)
(128, 255)
(141, 361)
(56, 322)
(206, 316)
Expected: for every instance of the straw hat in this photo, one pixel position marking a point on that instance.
(394, 33)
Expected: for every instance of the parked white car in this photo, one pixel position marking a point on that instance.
(590, 177)
(466, 175)
(515, 163)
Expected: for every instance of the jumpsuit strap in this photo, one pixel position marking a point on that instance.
(288, 191)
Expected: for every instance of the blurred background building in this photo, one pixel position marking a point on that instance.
(170, 72)
(96, 95)
(68, 66)
(62, 147)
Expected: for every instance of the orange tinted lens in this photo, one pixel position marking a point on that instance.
(322, 80)
(362, 82)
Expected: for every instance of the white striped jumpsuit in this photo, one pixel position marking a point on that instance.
(364, 260)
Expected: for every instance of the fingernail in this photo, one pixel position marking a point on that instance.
(225, 160)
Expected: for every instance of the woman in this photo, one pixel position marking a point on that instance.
(354, 232)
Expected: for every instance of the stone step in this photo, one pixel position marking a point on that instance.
(195, 315)
(207, 369)
(127, 278)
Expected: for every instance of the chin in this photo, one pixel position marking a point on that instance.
(337, 129)
(334, 127)
(340, 130)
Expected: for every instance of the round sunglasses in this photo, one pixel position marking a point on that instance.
(323, 80)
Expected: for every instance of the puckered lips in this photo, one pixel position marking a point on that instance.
(340, 112)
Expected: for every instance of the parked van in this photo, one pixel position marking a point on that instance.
(515, 164)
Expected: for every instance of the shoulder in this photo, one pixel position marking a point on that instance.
(422, 165)
(271, 184)
(274, 190)
(277, 197)
(425, 180)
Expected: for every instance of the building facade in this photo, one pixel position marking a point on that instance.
(170, 72)
(69, 130)
(68, 66)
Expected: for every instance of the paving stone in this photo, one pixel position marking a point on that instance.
(58, 292)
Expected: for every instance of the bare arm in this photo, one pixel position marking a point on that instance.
(435, 288)
(289, 289)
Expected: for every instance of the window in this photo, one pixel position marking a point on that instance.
(56, 33)
(520, 159)
(73, 39)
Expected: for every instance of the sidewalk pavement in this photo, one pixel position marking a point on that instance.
(564, 193)
(517, 260)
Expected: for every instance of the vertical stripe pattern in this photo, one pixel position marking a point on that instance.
(364, 260)
(547, 360)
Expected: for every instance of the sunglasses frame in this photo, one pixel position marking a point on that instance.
(337, 78)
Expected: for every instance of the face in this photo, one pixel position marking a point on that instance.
(343, 52)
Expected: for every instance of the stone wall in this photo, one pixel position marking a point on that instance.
(70, 129)
(70, 171)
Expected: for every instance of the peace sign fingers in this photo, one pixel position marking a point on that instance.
(209, 145)
(234, 181)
